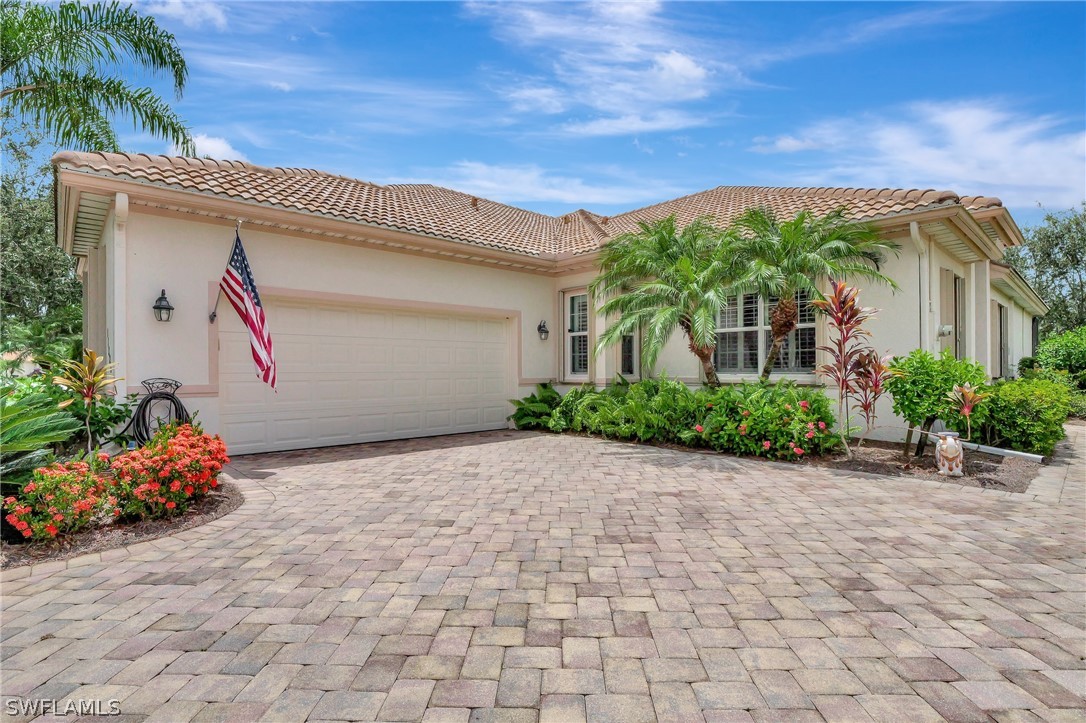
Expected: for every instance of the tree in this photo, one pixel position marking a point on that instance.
(40, 295)
(55, 72)
(1053, 260)
(784, 258)
(662, 278)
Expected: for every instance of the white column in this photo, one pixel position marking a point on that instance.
(980, 305)
(117, 284)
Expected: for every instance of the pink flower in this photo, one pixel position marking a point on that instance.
(742, 429)
(797, 450)
(766, 444)
(788, 407)
(810, 425)
(699, 428)
(804, 404)
(809, 435)
(746, 412)
(821, 425)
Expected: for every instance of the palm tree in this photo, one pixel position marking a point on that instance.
(784, 258)
(661, 278)
(54, 72)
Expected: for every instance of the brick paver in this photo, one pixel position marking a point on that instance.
(514, 576)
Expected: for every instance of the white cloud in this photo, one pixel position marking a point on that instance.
(192, 13)
(610, 59)
(529, 183)
(214, 147)
(972, 147)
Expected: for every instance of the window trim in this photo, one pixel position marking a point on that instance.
(761, 328)
(567, 335)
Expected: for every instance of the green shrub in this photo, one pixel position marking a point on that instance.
(1026, 366)
(107, 414)
(30, 425)
(922, 383)
(1078, 405)
(1025, 414)
(534, 411)
(776, 421)
(766, 420)
(1066, 351)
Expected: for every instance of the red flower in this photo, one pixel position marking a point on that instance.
(170, 505)
(805, 404)
(766, 444)
(797, 450)
(51, 530)
(697, 428)
(746, 412)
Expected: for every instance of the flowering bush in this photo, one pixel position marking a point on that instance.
(780, 421)
(60, 499)
(179, 465)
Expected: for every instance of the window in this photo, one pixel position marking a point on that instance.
(744, 337)
(576, 335)
(627, 366)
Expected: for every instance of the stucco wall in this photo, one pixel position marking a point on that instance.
(185, 256)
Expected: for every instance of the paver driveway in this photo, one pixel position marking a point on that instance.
(511, 576)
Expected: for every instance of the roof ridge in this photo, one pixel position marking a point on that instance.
(145, 160)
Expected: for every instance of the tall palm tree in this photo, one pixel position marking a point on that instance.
(786, 257)
(55, 72)
(660, 279)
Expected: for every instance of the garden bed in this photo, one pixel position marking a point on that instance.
(221, 501)
(989, 471)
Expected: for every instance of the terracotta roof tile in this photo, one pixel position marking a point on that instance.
(452, 215)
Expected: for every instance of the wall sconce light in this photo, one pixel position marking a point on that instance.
(163, 308)
(544, 332)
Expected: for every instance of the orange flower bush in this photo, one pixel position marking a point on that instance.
(60, 499)
(177, 467)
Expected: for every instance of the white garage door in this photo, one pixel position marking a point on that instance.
(352, 374)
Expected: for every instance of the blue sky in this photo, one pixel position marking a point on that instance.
(610, 106)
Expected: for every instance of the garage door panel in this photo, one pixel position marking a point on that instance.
(356, 374)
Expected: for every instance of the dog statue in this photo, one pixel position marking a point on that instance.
(949, 454)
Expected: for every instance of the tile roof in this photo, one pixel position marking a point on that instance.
(452, 215)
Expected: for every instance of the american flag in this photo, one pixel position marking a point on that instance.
(240, 288)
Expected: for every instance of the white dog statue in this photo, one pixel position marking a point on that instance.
(949, 454)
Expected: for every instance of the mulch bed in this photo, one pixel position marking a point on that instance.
(1009, 474)
(224, 499)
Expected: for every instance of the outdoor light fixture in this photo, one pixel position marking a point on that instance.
(544, 332)
(163, 308)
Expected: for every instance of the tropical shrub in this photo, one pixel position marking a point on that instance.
(89, 382)
(921, 385)
(534, 411)
(778, 421)
(60, 499)
(767, 420)
(178, 466)
(107, 413)
(29, 427)
(1066, 351)
(1025, 414)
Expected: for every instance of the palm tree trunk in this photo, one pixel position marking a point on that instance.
(710, 371)
(774, 350)
(782, 321)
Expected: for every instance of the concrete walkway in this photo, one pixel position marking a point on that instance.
(522, 577)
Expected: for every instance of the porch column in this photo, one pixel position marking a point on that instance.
(979, 310)
(116, 283)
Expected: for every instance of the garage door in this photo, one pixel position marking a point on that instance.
(355, 374)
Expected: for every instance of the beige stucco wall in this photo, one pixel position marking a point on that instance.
(184, 256)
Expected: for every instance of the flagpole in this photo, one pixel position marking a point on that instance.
(215, 310)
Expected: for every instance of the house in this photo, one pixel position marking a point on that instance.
(411, 310)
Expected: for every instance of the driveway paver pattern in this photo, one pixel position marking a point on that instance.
(520, 577)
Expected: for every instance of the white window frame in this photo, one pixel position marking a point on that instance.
(740, 319)
(568, 334)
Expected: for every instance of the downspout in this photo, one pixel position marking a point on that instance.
(923, 284)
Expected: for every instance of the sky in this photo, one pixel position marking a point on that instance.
(610, 106)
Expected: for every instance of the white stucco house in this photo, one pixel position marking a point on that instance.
(411, 310)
